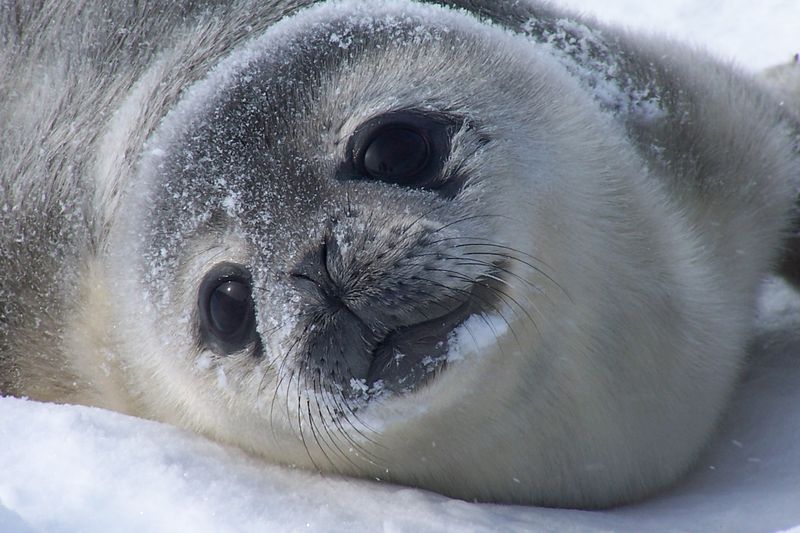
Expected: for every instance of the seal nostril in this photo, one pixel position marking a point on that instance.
(312, 267)
(311, 275)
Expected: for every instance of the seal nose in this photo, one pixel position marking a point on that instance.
(341, 344)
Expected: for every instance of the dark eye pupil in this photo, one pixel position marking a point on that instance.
(226, 316)
(396, 154)
(229, 307)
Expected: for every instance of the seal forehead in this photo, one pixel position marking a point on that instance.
(272, 120)
(286, 67)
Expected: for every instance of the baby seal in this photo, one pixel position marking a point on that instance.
(484, 248)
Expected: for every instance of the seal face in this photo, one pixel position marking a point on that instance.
(365, 222)
(484, 252)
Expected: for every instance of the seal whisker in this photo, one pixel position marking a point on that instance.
(466, 259)
(319, 390)
(300, 424)
(465, 219)
(483, 301)
(417, 220)
(339, 433)
(347, 413)
(511, 257)
(350, 441)
(319, 438)
(281, 374)
(483, 243)
(507, 297)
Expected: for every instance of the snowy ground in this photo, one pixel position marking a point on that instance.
(65, 468)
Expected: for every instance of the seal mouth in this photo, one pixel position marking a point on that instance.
(413, 355)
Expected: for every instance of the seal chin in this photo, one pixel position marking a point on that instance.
(412, 355)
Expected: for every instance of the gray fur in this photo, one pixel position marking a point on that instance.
(619, 201)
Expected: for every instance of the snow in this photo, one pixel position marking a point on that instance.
(68, 468)
(474, 335)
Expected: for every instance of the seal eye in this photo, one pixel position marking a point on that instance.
(407, 148)
(229, 307)
(227, 312)
(397, 154)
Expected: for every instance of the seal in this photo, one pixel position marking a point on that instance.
(489, 249)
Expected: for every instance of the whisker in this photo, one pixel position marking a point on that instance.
(314, 431)
(484, 243)
(349, 412)
(483, 301)
(420, 217)
(514, 300)
(465, 219)
(345, 435)
(513, 258)
(281, 375)
(300, 423)
(461, 260)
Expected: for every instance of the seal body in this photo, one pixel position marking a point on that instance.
(484, 248)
